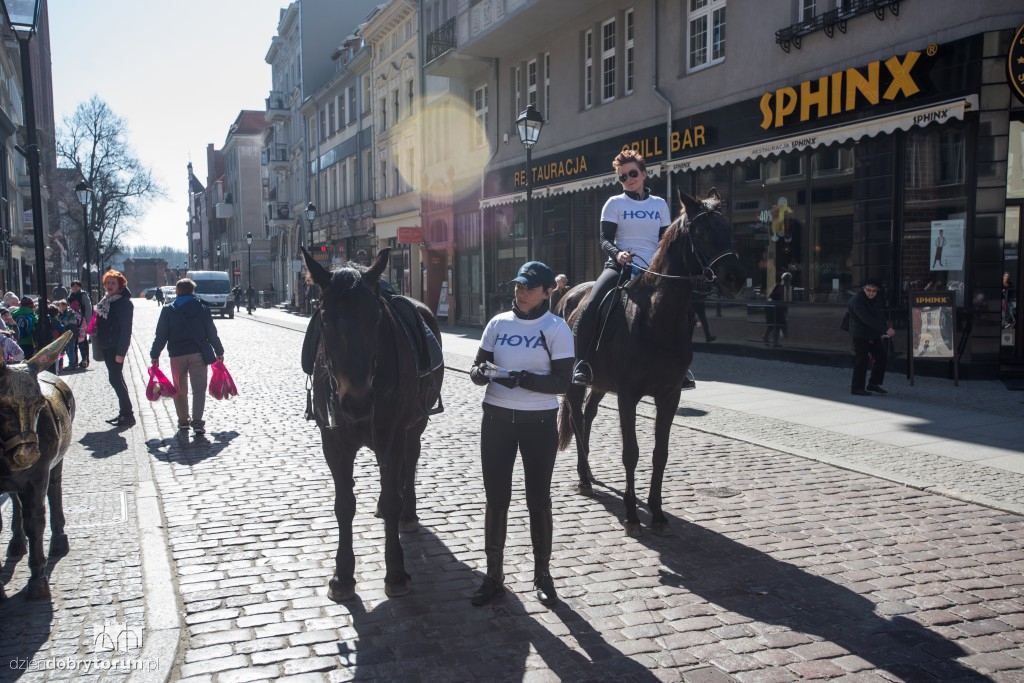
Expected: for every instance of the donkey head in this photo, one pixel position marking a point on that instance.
(350, 315)
(21, 402)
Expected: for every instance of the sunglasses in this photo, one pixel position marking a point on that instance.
(632, 174)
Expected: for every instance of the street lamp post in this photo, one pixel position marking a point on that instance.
(248, 275)
(83, 191)
(99, 259)
(529, 124)
(22, 16)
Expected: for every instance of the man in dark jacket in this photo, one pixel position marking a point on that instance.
(186, 328)
(869, 329)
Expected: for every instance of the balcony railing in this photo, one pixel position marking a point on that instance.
(276, 100)
(277, 153)
(833, 19)
(441, 40)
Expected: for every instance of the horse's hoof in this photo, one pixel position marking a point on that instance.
(16, 548)
(341, 592)
(661, 529)
(397, 590)
(585, 488)
(409, 526)
(633, 529)
(39, 589)
(59, 546)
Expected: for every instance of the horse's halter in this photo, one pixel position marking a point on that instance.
(707, 274)
(706, 265)
(25, 437)
(332, 378)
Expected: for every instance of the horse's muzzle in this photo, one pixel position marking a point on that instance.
(22, 451)
(356, 409)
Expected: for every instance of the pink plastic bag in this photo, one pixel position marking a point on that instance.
(221, 384)
(159, 386)
(92, 324)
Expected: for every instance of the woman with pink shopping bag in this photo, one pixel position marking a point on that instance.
(186, 327)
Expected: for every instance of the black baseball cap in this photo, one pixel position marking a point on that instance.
(535, 274)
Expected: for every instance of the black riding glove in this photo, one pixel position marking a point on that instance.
(478, 377)
(513, 379)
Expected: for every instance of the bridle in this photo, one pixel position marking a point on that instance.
(328, 365)
(707, 273)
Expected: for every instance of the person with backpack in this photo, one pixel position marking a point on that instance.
(26, 319)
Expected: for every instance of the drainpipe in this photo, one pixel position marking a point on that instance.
(668, 104)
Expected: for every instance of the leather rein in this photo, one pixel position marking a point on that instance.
(707, 274)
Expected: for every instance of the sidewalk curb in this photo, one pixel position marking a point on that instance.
(162, 640)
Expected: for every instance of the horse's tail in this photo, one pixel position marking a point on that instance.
(565, 425)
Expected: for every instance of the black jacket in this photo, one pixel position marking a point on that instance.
(179, 326)
(867, 319)
(114, 333)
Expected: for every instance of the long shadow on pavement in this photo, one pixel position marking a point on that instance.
(189, 450)
(756, 585)
(434, 633)
(24, 625)
(105, 443)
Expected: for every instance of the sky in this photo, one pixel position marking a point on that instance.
(177, 73)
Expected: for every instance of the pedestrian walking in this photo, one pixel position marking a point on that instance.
(185, 327)
(869, 330)
(250, 299)
(26, 318)
(59, 292)
(159, 296)
(525, 358)
(80, 301)
(70, 320)
(561, 287)
(113, 335)
(776, 312)
(631, 226)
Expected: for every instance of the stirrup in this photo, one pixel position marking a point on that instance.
(583, 373)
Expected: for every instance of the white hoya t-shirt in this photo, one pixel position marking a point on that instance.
(518, 345)
(639, 223)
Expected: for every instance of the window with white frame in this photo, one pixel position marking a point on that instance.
(588, 69)
(367, 93)
(706, 33)
(352, 105)
(382, 191)
(331, 121)
(608, 61)
(628, 20)
(807, 9)
(547, 84)
(323, 123)
(383, 113)
(396, 170)
(531, 83)
(410, 93)
(394, 97)
(480, 111)
(517, 91)
(342, 118)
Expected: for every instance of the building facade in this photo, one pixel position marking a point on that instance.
(844, 136)
(243, 187)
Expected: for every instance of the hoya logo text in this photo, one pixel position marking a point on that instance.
(521, 340)
(641, 214)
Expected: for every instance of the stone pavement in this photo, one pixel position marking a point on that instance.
(782, 567)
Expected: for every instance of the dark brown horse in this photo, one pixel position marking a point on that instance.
(373, 387)
(646, 347)
(36, 413)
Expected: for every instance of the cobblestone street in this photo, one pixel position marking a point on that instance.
(780, 567)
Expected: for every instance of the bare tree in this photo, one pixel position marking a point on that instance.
(94, 141)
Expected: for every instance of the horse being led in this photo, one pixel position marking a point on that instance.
(646, 348)
(372, 386)
(36, 413)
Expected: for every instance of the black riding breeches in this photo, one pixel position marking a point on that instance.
(587, 324)
(536, 440)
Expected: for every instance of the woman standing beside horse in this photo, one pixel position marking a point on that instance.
(525, 359)
(632, 224)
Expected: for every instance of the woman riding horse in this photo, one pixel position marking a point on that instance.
(652, 330)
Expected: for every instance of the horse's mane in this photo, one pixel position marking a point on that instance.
(679, 227)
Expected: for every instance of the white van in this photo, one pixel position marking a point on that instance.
(213, 287)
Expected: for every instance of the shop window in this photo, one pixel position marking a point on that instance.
(791, 165)
(750, 172)
(826, 160)
(935, 211)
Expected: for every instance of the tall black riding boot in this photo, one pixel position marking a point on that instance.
(495, 526)
(541, 530)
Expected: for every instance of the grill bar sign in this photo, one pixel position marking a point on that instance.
(410, 235)
(933, 328)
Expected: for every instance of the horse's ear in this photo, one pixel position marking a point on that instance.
(48, 355)
(379, 264)
(691, 205)
(315, 273)
(713, 194)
